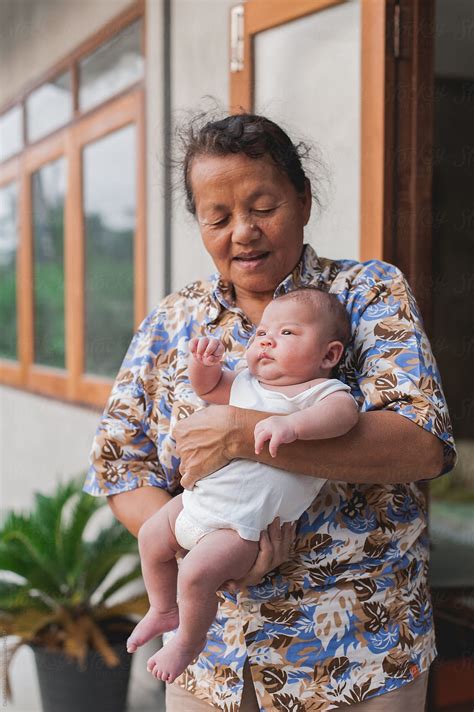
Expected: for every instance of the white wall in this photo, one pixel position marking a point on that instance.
(42, 441)
(154, 150)
(200, 68)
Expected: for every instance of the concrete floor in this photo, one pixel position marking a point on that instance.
(145, 694)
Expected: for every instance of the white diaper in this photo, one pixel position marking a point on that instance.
(188, 532)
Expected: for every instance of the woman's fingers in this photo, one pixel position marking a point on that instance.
(275, 547)
(201, 442)
(263, 563)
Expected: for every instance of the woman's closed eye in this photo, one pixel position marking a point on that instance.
(217, 223)
(264, 211)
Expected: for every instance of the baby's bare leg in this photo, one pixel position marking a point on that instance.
(216, 558)
(158, 548)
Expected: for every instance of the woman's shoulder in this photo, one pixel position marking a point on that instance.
(176, 308)
(359, 274)
(163, 329)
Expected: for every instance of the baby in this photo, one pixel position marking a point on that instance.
(296, 346)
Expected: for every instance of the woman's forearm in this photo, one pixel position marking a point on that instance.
(383, 447)
(133, 508)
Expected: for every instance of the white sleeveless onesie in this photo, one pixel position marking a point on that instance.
(246, 495)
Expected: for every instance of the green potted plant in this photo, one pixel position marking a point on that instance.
(56, 588)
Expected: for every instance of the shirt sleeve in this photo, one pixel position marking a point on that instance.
(124, 455)
(394, 365)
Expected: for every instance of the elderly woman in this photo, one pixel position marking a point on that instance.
(346, 618)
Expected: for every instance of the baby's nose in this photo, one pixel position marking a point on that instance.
(267, 341)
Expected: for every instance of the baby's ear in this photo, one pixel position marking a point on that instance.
(333, 355)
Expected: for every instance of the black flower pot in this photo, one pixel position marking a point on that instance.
(93, 688)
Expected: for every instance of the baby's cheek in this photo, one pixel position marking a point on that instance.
(251, 359)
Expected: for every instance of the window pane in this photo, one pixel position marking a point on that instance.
(49, 107)
(109, 218)
(11, 133)
(114, 66)
(49, 188)
(8, 250)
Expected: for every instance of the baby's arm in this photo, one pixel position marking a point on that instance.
(331, 417)
(206, 374)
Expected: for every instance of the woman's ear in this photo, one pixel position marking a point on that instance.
(333, 354)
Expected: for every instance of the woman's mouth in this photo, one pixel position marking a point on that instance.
(251, 260)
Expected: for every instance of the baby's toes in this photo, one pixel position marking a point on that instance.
(132, 646)
(151, 665)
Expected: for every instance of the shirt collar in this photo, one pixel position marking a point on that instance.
(306, 273)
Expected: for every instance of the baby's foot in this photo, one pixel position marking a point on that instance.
(173, 659)
(152, 624)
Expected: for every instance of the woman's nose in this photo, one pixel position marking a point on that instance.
(245, 230)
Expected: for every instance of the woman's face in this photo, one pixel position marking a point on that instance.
(251, 220)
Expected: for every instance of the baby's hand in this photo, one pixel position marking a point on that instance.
(277, 429)
(206, 350)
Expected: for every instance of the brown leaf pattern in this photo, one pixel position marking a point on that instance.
(336, 621)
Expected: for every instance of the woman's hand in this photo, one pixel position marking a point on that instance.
(201, 442)
(275, 547)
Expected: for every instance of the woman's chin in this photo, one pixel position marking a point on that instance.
(254, 281)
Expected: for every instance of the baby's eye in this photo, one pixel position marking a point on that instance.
(285, 332)
(260, 332)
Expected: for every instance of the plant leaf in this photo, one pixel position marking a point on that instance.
(16, 597)
(136, 606)
(133, 575)
(71, 538)
(101, 556)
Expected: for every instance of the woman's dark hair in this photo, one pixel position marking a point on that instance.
(253, 135)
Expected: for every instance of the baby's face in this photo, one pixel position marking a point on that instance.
(290, 343)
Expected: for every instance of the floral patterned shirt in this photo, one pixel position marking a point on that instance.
(349, 617)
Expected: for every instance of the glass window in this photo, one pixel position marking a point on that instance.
(11, 132)
(114, 66)
(49, 107)
(109, 217)
(49, 188)
(8, 252)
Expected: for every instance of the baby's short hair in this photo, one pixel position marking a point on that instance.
(337, 317)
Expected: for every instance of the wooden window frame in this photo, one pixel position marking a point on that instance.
(72, 384)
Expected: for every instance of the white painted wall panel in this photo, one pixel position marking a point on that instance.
(42, 441)
(200, 66)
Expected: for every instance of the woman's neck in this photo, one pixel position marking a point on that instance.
(253, 304)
